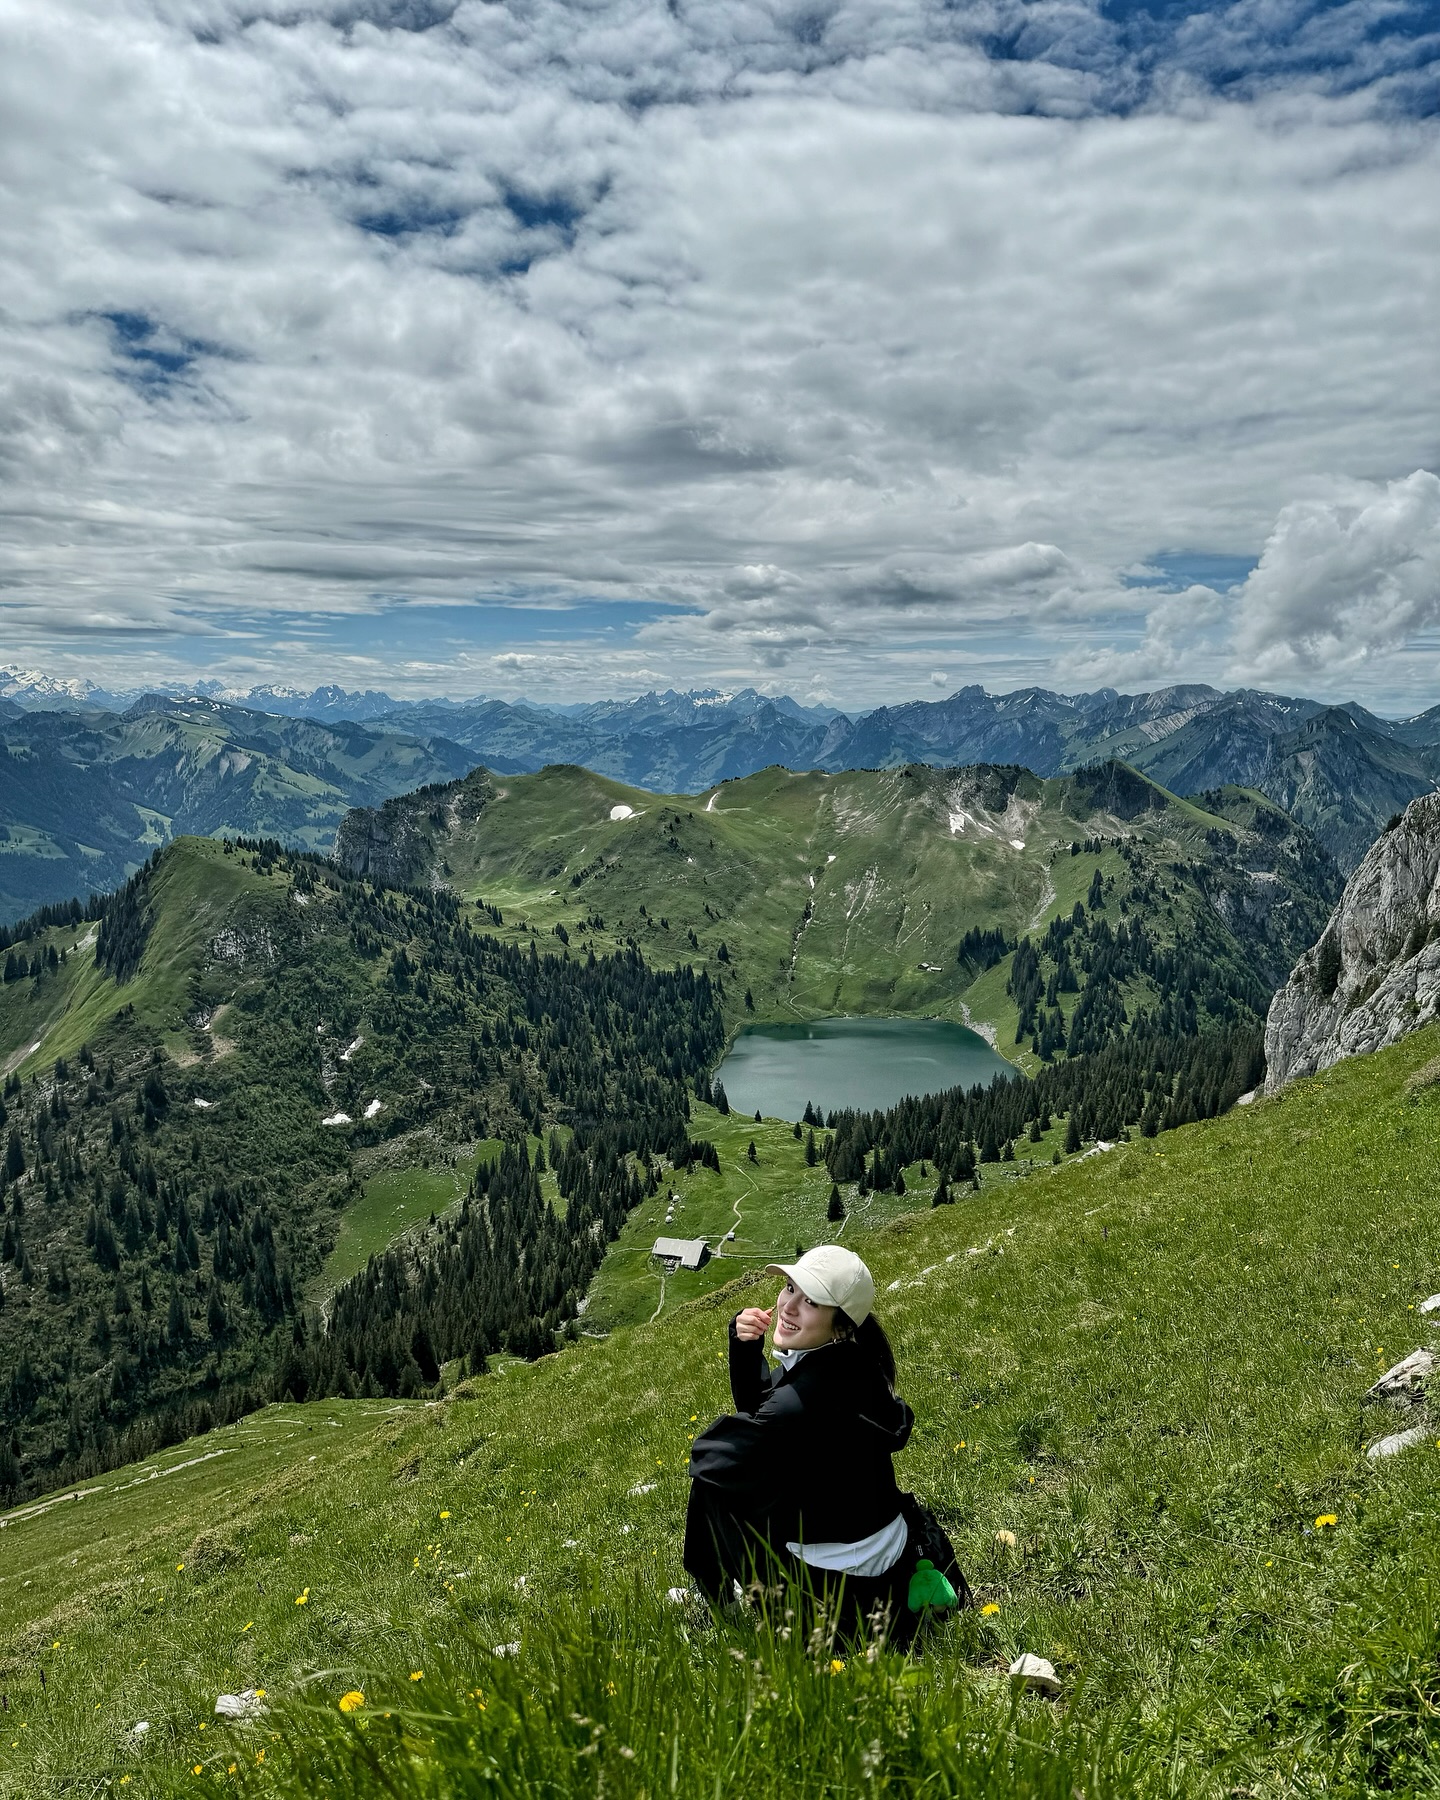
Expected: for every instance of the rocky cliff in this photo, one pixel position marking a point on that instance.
(1374, 975)
(396, 844)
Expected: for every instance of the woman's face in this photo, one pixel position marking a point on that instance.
(799, 1323)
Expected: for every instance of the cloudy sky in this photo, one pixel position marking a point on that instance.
(853, 348)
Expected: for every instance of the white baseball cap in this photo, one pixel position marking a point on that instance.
(831, 1275)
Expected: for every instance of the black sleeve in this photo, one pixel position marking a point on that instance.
(750, 1376)
(752, 1458)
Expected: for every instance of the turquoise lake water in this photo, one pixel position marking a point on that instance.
(864, 1063)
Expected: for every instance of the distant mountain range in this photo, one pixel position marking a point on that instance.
(86, 795)
(95, 777)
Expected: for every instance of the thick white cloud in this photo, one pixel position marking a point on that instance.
(863, 343)
(1343, 581)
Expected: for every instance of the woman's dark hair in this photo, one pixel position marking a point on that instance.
(870, 1336)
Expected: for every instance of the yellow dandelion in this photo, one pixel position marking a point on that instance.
(352, 1702)
(197, 1770)
(837, 1665)
(259, 1756)
(417, 1674)
(124, 1780)
(259, 1693)
(1324, 1520)
(179, 1567)
(56, 1644)
(444, 1515)
(232, 1768)
(989, 1609)
(246, 1626)
(303, 1598)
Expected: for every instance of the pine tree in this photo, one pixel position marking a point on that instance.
(835, 1212)
(942, 1194)
(9, 1469)
(812, 1155)
(1072, 1135)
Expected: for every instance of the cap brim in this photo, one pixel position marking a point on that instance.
(788, 1271)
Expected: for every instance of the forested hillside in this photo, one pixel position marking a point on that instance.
(85, 797)
(176, 1153)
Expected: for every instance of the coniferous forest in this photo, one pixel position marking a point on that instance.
(163, 1212)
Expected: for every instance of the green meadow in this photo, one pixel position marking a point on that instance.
(1149, 1367)
(833, 894)
(773, 1205)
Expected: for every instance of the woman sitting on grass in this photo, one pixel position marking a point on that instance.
(798, 1481)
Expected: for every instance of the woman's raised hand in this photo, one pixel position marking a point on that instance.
(753, 1323)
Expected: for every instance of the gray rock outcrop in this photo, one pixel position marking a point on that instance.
(1374, 976)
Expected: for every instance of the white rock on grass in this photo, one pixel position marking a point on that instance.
(248, 1705)
(1406, 1380)
(1430, 1305)
(337, 1118)
(1398, 1441)
(373, 1108)
(1037, 1674)
(139, 1729)
(507, 1649)
(643, 1487)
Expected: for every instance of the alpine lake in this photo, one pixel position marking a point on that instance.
(866, 1064)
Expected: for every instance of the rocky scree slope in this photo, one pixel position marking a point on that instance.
(1374, 974)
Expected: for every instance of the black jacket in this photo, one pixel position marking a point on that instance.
(806, 1453)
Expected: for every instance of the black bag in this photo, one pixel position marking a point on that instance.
(928, 1539)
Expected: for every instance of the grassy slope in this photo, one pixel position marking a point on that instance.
(1148, 1366)
(772, 1205)
(193, 890)
(901, 890)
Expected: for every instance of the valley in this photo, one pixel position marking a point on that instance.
(85, 798)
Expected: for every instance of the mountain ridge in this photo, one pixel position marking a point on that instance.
(82, 806)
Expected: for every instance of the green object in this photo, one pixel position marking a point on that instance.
(928, 1587)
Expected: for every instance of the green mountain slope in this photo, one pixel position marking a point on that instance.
(1149, 1368)
(853, 892)
(194, 1094)
(85, 798)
